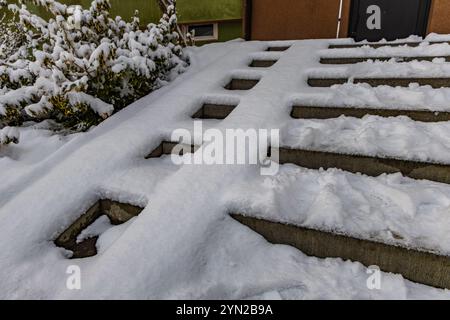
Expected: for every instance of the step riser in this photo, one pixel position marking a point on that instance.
(262, 63)
(393, 82)
(359, 60)
(166, 148)
(278, 49)
(241, 84)
(300, 112)
(380, 45)
(366, 165)
(118, 213)
(417, 266)
(214, 111)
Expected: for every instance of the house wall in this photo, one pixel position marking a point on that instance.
(202, 10)
(228, 13)
(227, 30)
(439, 21)
(310, 19)
(296, 19)
(148, 9)
(188, 10)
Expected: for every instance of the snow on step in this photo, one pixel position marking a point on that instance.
(417, 266)
(353, 60)
(412, 41)
(372, 166)
(330, 112)
(389, 69)
(435, 74)
(362, 95)
(371, 146)
(389, 208)
(424, 50)
(337, 210)
(375, 82)
(432, 38)
(397, 138)
(380, 45)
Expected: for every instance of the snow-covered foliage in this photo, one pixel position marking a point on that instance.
(81, 65)
(8, 135)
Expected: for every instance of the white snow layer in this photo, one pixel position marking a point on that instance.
(390, 208)
(432, 37)
(363, 95)
(184, 244)
(438, 68)
(423, 50)
(395, 137)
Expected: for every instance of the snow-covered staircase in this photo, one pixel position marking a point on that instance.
(417, 264)
(191, 239)
(369, 164)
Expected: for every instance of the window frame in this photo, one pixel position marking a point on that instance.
(214, 37)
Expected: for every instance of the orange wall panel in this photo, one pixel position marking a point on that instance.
(439, 21)
(297, 19)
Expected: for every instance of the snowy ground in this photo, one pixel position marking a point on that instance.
(184, 245)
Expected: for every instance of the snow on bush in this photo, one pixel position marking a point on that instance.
(81, 65)
(8, 135)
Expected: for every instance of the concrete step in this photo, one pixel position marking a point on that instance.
(371, 166)
(118, 213)
(379, 45)
(375, 82)
(167, 148)
(241, 84)
(214, 111)
(353, 60)
(418, 266)
(262, 63)
(307, 112)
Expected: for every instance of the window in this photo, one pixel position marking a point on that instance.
(203, 32)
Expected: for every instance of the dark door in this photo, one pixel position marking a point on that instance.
(374, 20)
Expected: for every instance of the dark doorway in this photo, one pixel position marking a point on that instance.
(374, 20)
